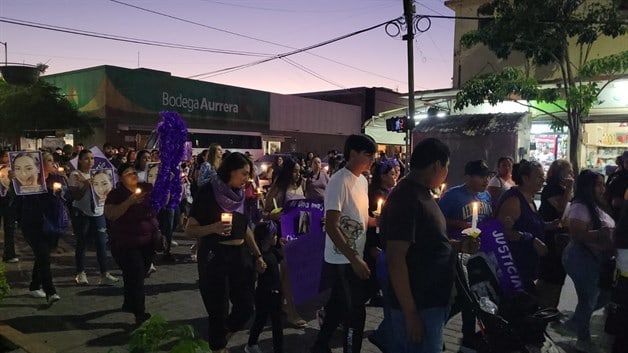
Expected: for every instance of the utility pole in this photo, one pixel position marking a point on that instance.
(408, 14)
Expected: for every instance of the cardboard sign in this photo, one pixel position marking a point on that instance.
(29, 172)
(302, 228)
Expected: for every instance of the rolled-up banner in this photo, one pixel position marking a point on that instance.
(494, 245)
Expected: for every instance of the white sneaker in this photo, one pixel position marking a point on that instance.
(586, 346)
(54, 298)
(81, 278)
(108, 278)
(13, 260)
(152, 269)
(38, 293)
(252, 349)
(174, 243)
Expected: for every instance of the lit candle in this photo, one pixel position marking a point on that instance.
(226, 218)
(56, 186)
(138, 191)
(474, 217)
(442, 188)
(378, 211)
(259, 190)
(182, 174)
(60, 169)
(275, 202)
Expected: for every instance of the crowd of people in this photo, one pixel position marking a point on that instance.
(392, 236)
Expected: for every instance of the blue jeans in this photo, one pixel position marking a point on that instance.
(584, 269)
(434, 320)
(87, 226)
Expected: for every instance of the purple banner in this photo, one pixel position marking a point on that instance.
(494, 245)
(301, 226)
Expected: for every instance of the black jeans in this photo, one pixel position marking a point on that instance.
(267, 303)
(225, 274)
(41, 244)
(166, 225)
(347, 305)
(134, 264)
(8, 215)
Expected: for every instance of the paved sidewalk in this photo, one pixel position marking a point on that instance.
(88, 318)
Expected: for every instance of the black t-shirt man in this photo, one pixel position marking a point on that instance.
(412, 215)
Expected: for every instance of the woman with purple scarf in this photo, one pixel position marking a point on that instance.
(225, 268)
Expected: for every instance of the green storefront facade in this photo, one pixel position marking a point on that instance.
(128, 102)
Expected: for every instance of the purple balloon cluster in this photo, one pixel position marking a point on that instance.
(172, 134)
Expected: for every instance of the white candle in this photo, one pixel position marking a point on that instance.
(275, 203)
(474, 217)
(442, 188)
(60, 169)
(226, 218)
(56, 186)
(138, 191)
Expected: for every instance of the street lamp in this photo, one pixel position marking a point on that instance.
(411, 24)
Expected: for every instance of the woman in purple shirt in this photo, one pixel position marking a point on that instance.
(524, 227)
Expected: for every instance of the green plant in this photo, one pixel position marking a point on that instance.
(157, 332)
(4, 286)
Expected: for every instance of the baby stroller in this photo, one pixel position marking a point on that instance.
(508, 323)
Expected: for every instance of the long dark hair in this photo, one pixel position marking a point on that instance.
(379, 169)
(284, 178)
(585, 194)
(234, 161)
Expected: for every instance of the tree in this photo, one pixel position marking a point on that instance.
(38, 107)
(544, 31)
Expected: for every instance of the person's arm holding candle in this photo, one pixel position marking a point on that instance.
(113, 212)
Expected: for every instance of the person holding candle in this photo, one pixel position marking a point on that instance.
(88, 220)
(384, 180)
(224, 263)
(464, 206)
(7, 210)
(288, 186)
(132, 223)
(524, 227)
(43, 218)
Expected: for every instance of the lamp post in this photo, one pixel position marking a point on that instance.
(411, 24)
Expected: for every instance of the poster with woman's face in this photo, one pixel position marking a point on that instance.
(151, 172)
(102, 184)
(4, 179)
(29, 172)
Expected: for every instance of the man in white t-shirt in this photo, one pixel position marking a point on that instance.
(346, 220)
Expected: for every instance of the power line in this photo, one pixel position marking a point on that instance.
(128, 39)
(311, 72)
(247, 37)
(279, 56)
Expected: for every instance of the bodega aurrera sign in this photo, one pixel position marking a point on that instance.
(196, 105)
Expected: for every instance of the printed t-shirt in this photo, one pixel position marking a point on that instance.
(348, 194)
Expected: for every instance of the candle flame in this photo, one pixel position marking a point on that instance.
(138, 191)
